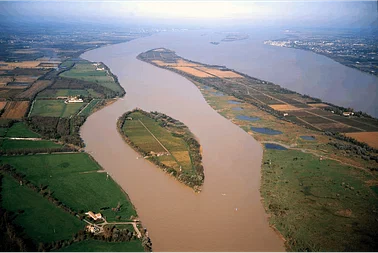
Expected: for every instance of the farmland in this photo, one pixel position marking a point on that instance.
(319, 188)
(283, 103)
(20, 130)
(55, 108)
(7, 144)
(15, 110)
(308, 198)
(74, 180)
(166, 142)
(36, 210)
(93, 72)
(51, 181)
(370, 138)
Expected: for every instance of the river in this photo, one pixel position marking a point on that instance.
(227, 215)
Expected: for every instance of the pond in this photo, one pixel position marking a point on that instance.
(308, 138)
(274, 146)
(237, 109)
(244, 117)
(234, 102)
(217, 93)
(263, 130)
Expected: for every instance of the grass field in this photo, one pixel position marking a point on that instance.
(20, 130)
(7, 144)
(321, 205)
(62, 93)
(100, 246)
(138, 134)
(42, 220)
(63, 175)
(87, 72)
(88, 110)
(55, 108)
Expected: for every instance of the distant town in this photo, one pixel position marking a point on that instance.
(354, 50)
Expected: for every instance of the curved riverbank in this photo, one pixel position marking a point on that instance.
(228, 214)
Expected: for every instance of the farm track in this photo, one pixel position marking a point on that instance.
(161, 144)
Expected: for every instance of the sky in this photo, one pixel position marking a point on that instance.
(201, 12)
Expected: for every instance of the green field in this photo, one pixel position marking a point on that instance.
(100, 246)
(55, 108)
(63, 175)
(62, 93)
(319, 204)
(87, 72)
(20, 130)
(88, 110)
(138, 134)
(7, 144)
(42, 220)
(3, 131)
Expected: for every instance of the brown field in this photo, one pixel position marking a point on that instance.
(23, 64)
(182, 156)
(325, 126)
(7, 93)
(193, 71)
(179, 63)
(26, 79)
(284, 107)
(34, 89)
(5, 79)
(2, 104)
(16, 87)
(48, 65)
(371, 138)
(319, 105)
(221, 73)
(15, 110)
(169, 163)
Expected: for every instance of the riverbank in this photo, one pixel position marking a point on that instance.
(165, 142)
(302, 226)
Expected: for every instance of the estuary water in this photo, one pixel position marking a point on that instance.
(228, 214)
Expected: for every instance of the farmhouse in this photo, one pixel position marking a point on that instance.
(73, 100)
(96, 216)
(346, 114)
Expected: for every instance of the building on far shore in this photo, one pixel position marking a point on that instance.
(346, 114)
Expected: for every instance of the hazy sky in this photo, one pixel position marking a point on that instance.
(294, 11)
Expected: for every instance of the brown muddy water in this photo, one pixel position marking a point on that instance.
(228, 214)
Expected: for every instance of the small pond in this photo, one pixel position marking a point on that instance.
(234, 102)
(274, 146)
(263, 130)
(237, 109)
(243, 117)
(217, 93)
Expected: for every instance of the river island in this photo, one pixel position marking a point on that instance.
(166, 142)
